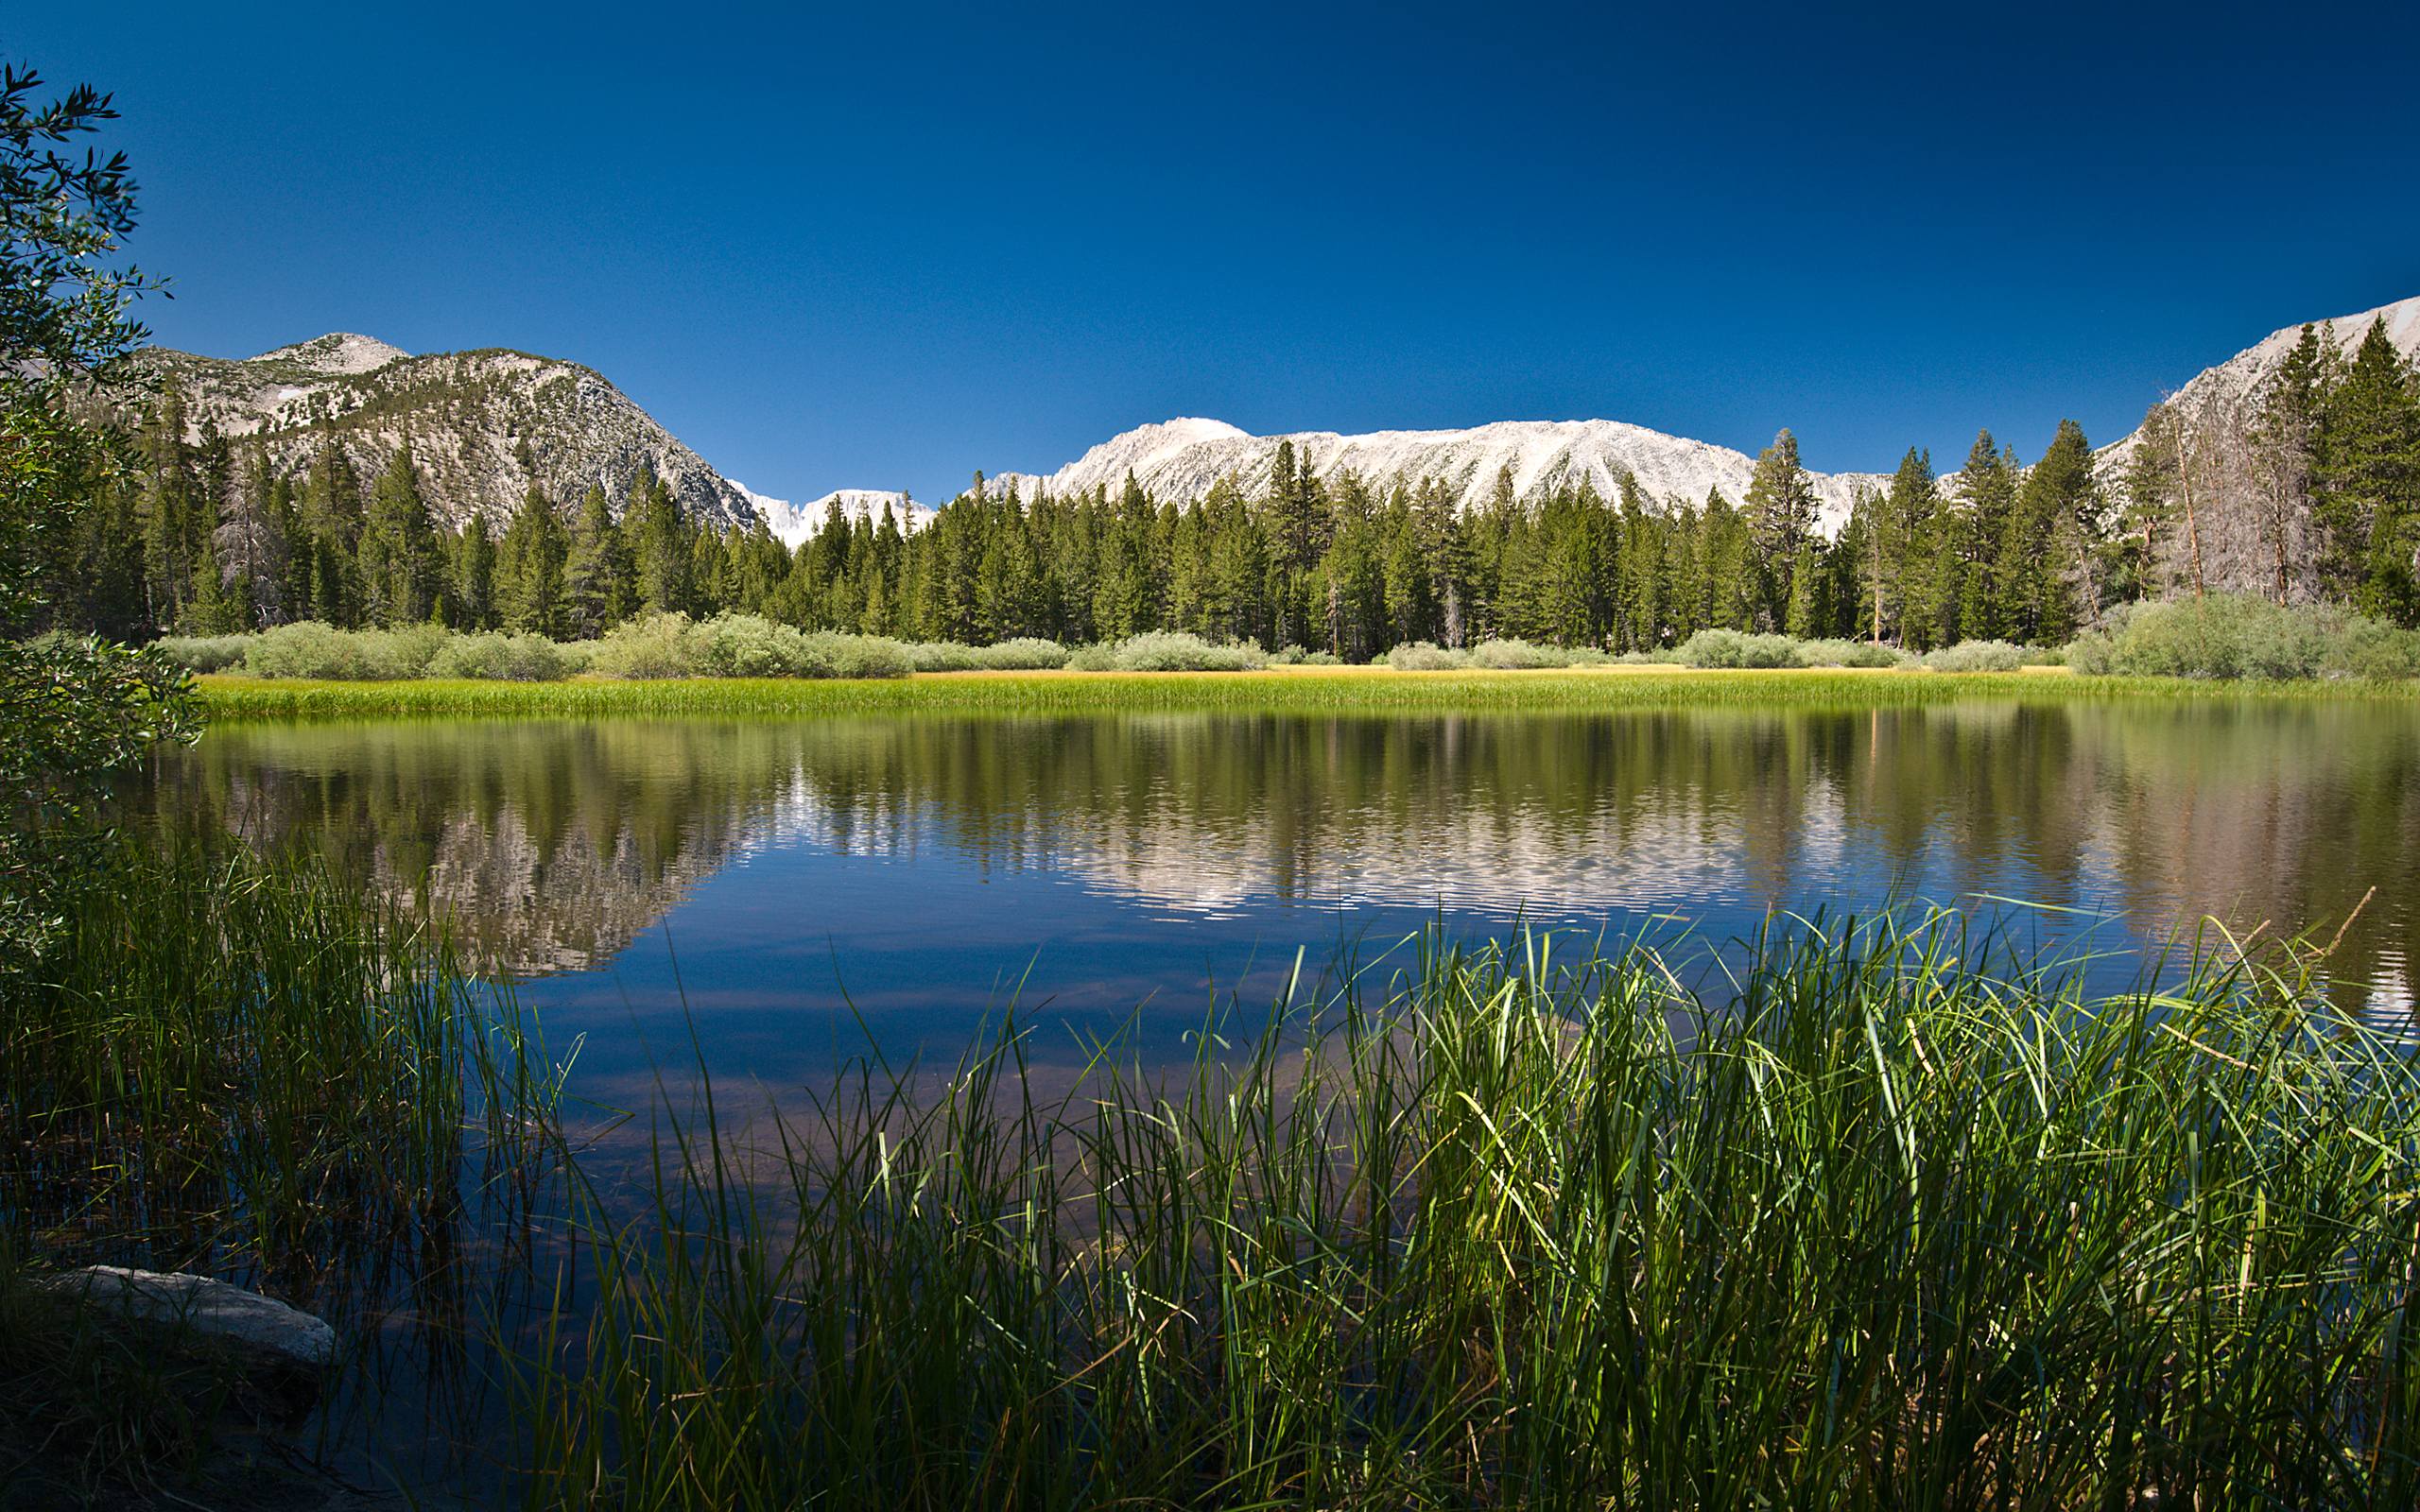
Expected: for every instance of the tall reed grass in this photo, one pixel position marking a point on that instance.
(250, 1067)
(1889, 1216)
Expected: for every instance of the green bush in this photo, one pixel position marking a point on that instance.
(832, 653)
(496, 656)
(942, 656)
(1738, 648)
(658, 645)
(1518, 655)
(1830, 653)
(309, 648)
(2241, 635)
(1168, 651)
(1026, 653)
(1975, 656)
(204, 653)
(1423, 656)
(750, 645)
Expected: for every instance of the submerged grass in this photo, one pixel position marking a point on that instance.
(1890, 1219)
(1289, 690)
(250, 1069)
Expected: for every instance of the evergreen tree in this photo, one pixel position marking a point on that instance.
(530, 592)
(598, 590)
(2043, 557)
(1780, 516)
(397, 559)
(2369, 471)
(1986, 499)
(475, 577)
(1732, 596)
(661, 554)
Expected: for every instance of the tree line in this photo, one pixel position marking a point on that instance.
(2306, 489)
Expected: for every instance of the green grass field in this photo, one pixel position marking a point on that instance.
(1278, 690)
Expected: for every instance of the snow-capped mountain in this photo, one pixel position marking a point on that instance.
(482, 425)
(794, 523)
(2238, 379)
(1182, 459)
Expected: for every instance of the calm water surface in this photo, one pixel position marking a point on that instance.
(784, 882)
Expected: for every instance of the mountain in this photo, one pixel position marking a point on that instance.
(2214, 391)
(794, 523)
(1181, 458)
(468, 415)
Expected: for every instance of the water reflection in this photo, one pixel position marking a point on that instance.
(556, 844)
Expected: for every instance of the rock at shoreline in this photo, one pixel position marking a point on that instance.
(266, 1332)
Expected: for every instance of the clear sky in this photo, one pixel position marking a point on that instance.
(883, 245)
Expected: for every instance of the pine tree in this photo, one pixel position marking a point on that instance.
(397, 559)
(475, 577)
(1733, 596)
(2043, 557)
(2369, 472)
(529, 589)
(598, 588)
(1780, 517)
(661, 556)
(1986, 499)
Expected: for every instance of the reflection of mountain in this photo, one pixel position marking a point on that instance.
(554, 844)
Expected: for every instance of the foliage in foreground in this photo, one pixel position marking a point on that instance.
(248, 1069)
(1889, 1220)
(2239, 635)
(2223, 636)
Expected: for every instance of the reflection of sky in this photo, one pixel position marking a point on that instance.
(925, 866)
(777, 958)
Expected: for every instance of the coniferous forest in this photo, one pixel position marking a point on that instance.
(2307, 491)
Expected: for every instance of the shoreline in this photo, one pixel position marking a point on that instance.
(1276, 690)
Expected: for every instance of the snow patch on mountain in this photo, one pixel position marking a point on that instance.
(1183, 459)
(794, 523)
(2241, 377)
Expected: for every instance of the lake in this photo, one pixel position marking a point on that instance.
(789, 887)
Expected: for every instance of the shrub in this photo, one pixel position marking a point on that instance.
(1423, 656)
(1518, 655)
(503, 658)
(1096, 658)
(658, 645)
(1023, 654)
(1322, 659)
(1179, 651)
(308, 649)
(1833, 653)
(204, 653)
(942, 656)
(748, 646)
(832, 653)
(2241, 635)
(1976, 655)
(1738, 648)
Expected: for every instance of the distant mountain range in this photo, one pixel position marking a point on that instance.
(468, 415)
(471, 417)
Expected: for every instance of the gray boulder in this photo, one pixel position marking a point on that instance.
(266, 1333)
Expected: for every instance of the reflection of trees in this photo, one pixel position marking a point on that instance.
(550, 843)
(555, 842)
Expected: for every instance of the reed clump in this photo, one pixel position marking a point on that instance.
(1886, 1217)
(252, 1068)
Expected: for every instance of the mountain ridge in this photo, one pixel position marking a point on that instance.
(472, 415)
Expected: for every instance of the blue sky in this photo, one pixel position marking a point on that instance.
(882, 245)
